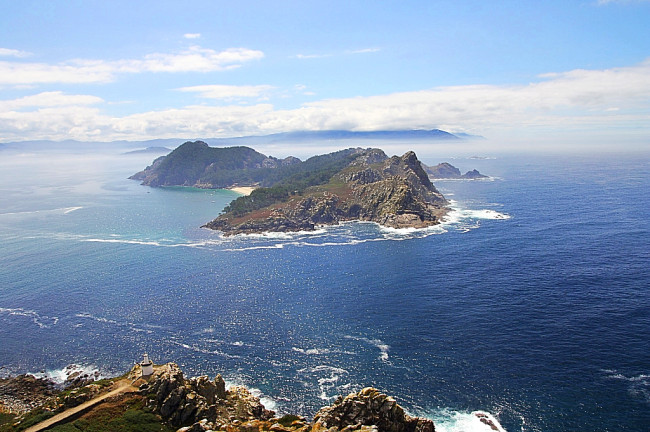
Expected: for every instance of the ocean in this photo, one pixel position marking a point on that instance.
(531, 301)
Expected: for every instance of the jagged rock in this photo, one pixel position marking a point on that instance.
(183, 401)
(474, 174)
(23, 393)
(365, 411)
(446, 170)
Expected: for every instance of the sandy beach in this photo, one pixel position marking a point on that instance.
(244, 190)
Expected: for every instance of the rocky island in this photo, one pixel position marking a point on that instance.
(292, 195)
(445, 170)
(162, 399)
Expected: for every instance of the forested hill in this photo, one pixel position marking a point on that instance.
(197, 164)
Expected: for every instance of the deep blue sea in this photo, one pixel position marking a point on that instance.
(532, 301)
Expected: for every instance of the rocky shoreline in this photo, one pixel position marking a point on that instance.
(201, 404)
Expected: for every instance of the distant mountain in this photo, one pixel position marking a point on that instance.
(334, 135)
(463, 135)
(251, 140)
(153, 150)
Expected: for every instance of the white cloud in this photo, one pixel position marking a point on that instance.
(585, 102)
(48, 99)
(192, 35)
(6, 52)
(194, 59)
(228, 92)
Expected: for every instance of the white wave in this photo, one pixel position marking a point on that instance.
(638, 386)
(377, 343)
(60, 376)
(204, 351)
(71, 209)
(448, 420)
(488, 178)
(311, 351)
(321, 368)
(327, 378)
(268, 402)
(130, 325)
(61, 210)
(283, 235)
(41, 321)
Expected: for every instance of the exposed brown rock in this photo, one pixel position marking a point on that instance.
(183, 401)
(368, 410)
(24, 393)
(395, 192)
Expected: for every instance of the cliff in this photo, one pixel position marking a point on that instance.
(394, 192)
(446, 170)
(167, 401)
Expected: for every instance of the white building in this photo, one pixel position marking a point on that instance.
(147, 366)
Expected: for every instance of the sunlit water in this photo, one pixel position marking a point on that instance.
(531, 301)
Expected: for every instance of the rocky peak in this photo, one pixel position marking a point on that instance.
(183, 401)
(368, 410)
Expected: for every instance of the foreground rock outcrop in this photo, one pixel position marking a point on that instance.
(167, 400)
(368, 410)
(23, 393)
(183, 401)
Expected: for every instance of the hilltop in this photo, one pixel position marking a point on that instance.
(359, 184)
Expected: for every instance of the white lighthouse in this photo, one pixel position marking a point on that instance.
(147, 366)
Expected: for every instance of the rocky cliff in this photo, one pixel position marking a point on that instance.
(201, 404)
(394, 192)
(446, 170)
(167, 401)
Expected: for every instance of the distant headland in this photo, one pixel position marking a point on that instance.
(292, 195)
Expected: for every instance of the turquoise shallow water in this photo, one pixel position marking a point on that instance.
(532, 302)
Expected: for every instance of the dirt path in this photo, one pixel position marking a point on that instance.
(123, 386)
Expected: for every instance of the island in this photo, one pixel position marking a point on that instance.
(160, 398)
(294, 195)
(445, 171)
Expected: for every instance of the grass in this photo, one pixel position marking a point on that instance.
(30, 419)
(6, 419)
(128, 416)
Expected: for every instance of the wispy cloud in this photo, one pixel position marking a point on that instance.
(228, 92)
(605, 2)
(193, 59)
(48, 99)
(347, 52)
(192, 35)
(312, 56)
(364, 51)
(7, 52)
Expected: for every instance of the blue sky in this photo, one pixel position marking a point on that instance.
(521, 73)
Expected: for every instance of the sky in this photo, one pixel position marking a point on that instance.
(523, 74)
